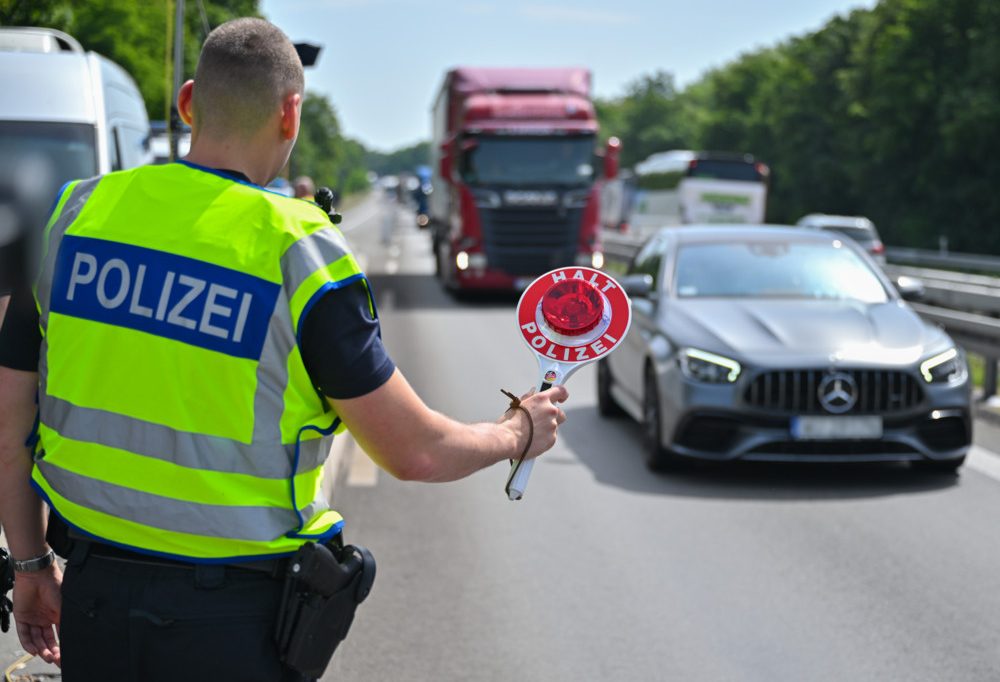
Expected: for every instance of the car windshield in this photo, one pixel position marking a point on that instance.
(775, 269)
(508, 160)
(36, 159)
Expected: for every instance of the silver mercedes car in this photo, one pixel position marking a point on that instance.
(780, 344)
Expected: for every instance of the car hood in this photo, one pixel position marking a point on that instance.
(774, 331)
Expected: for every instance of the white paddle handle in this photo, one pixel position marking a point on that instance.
(521, 472)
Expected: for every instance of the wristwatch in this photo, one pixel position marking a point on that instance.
(34, 565)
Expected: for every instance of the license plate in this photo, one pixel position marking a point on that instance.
(836, 428)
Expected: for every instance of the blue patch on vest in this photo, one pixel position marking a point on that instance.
(172, 296)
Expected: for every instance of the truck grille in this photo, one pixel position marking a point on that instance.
(530, 241)
(797, 391)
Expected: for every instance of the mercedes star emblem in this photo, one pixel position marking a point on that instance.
(838, 393)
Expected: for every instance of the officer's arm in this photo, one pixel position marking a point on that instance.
(21, 510)
(413, 442)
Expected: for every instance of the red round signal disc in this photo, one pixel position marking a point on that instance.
(572, 307)
(573, 314)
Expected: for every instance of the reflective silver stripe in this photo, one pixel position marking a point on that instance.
(196, 451)
(309, 254)
(253, 524)
(272, 375)
(312, 453)
(71, 209)
(315, 507)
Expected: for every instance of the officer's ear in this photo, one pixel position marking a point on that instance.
(291, 109)
(184, 99)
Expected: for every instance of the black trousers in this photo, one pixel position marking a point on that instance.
(142, 622)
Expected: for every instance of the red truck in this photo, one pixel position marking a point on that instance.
(516, 176)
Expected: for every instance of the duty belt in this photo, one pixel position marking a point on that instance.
(84, 547)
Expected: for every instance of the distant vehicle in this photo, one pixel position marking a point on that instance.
(160, 142)
(858, 228)
(515, 185)
(421, 195)
(781, 344)
(685, 187)
(65, 114)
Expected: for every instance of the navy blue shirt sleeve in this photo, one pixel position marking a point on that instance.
(342, 344)
(20, 337)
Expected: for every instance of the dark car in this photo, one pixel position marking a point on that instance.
(779, 344)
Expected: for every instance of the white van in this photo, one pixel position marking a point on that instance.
(65, 114)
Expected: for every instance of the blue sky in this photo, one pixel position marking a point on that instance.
(383, 60)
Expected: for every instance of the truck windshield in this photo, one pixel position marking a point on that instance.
(512, 161)
(36, 159)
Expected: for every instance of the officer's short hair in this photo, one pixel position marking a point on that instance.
(246, 69)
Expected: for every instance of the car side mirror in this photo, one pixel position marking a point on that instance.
(637, 286)
(910, 288)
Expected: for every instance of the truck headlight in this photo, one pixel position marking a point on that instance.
(594, 259)
(946, 367)
(708, 367)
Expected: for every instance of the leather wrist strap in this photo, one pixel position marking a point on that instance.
(39, 563)
(515, 404)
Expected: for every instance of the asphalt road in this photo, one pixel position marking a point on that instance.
(605, 571)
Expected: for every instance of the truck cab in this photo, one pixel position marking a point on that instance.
(518, 175)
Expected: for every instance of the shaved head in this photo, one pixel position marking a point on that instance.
(246, 69)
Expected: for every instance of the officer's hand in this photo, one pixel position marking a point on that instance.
(37, 605)
(546, 416)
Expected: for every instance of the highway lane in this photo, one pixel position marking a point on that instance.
(608, 572)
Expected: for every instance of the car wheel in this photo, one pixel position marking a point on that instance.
(658, 458)
(940, 466)
(606, 405)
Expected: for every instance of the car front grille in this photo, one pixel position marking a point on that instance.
(818, 448)
(530, 241)
(797, 391)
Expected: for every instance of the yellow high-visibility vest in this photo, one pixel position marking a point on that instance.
(176, 416)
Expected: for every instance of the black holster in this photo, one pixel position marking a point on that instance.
(323, 588)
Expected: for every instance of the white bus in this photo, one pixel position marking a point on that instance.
(688, 187)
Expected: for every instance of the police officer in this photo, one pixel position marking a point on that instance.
(182, 323)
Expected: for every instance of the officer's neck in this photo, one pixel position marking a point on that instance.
(257, 162)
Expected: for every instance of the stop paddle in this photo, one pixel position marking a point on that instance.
(568, 317)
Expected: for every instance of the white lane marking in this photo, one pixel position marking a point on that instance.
(363, 472)
(984, 461)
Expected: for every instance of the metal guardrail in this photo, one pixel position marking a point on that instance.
(954, 300)
(943, 259)
(971, 293)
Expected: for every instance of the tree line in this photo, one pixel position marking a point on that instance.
(137, 36)
(891, 112)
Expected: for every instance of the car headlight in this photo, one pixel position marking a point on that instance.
(701, 365)
(946, 367)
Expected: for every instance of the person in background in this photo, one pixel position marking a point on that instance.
(304, 188)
